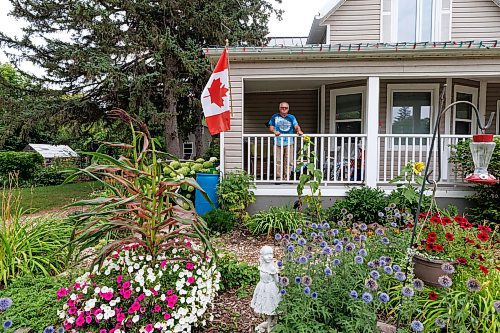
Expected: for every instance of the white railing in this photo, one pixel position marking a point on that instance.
(341, 157)
(396, 150)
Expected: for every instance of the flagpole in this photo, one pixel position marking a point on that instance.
(229, 78)
(222, 134)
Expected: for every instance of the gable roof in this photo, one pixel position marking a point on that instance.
(52, 151)
(317, 31)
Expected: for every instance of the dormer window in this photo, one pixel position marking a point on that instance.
(415, 20)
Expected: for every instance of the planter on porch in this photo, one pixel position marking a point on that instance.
(428, 270)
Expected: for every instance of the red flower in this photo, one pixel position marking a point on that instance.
(436, 219)
(449, 236)
(446, 220)
(484, 228)
(460, 219)
(484, 269)
(480, 257)
(437, 247)
(483, 236)
(428, 247)
(470, 241)
(466, 225)
(462, 261)
(433, 296)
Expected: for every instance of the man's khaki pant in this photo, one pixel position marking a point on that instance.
(285, 154)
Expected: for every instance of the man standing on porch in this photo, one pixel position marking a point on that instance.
(283, 123)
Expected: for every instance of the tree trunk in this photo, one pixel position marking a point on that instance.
(171, 131)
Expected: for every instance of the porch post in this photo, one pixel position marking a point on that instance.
(372, 110)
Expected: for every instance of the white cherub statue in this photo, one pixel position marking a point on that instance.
(266, 296)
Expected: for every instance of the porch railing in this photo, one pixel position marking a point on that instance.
(396, 150)
(341, 157)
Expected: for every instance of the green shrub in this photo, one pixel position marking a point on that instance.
(364, 203)
(26, 164)
(275, 220)
(235, 193)
(48, 176)
(235, 274)
(219, 220)
(34, 301)
(485, 200)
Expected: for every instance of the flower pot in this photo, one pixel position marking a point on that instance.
(428, 270)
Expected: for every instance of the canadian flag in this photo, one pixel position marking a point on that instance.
(216, 97)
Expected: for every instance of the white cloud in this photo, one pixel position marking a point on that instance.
(297, 18)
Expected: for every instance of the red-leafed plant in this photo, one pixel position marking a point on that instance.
(143, 206)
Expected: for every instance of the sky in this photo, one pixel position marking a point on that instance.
(296, 21)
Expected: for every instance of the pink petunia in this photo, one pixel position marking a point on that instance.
(61, 293)
(80, 321)
(190, 280)
(188, 243)
(163, 264)
(157, 308)
(141, 297)
(88, 319)
(120, 317)
(127, 294)
(103, 330)
(119, 279)
(189, 266)
(170, 292)
(126, 285)
(149, 328)
(166, 316)
(67, 325)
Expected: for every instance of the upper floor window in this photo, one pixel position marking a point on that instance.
(415, 20)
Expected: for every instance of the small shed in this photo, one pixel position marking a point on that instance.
(51, 152)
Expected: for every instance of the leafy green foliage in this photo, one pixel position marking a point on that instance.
(34, 301)
(49, 176)
(235, 193)
(276, 220)
(219, 220)
(409, 183)
(25, 165)
(364, 203)
(235, 274)
(144, 207)
(485, 200)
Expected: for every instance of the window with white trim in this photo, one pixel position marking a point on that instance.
(464, 119)
(415, 20)
(347, 110)
(410, 109)
(187, 150)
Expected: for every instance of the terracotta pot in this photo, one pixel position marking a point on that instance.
(428, 270)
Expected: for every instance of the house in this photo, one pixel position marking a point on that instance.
(366, 86)
(51, 152)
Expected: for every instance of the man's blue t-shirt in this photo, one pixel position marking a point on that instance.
(284, 125)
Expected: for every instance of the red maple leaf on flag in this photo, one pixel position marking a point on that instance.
(217, 92)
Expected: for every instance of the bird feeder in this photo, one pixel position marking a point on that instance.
(481, 147)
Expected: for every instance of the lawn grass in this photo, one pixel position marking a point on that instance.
(52, 197)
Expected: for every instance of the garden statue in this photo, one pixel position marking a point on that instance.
(266, 295)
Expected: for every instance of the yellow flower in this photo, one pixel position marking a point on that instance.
(418, 167)
(307, 138)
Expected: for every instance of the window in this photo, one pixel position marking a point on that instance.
(346, 110)
(410, 109)
(463, 114)
(187, 150)
(413, 20)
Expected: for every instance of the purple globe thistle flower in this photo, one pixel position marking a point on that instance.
(397, 215)
(340, 223)
(382, 261)
(328, 271)
(336, 262)
(7, 324)
(445, 281)
(279, 263)
(277, 237)
(309, 248)
(306, 280)
(440, 323)
(282, 291)
(379, 231)
(302, 242)
(392, 205)
(400, 276)
(473, 285)
(371, 264)
(447, 268)
(388, 260)
(396, 268)
(321, 234)
(343, 211)
(307, 290)
(394, 224)
(298, 279)
(314, 226)
(314, 235)
(358, 260)
(336, 241)
(326, 225)
(353, 294)
(345, 240)
(327, 251)
(418, 284)
(335, 232)
(496, 306)
(371, 284)
(388, 270)
(376, 263)
(407, 291)
(350, 247)
(362, 252)
(355, 225)
(380, 214)
(49, 329)
(349, 216)
(385, 241)
(356, 238)
(60, 330)
(299, 231)
(387, 209)
(323, 244)
(363, 227)
(284, 281)
(5, 303)
(417, 326)
(384, 298)
(286, 237)
(339, 247)
(362, 238)
(374, 274)
(367, 297)
(314, 295)
(302, 260)
(309, 256)
(290, 248)
(293, 236)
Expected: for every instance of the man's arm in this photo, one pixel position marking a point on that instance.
(298, 130)
(275, 132)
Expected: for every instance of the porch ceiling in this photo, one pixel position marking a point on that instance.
(264, 85)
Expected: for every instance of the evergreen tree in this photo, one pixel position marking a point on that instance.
(140, 55)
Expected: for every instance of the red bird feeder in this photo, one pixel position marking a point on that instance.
(481, 147)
